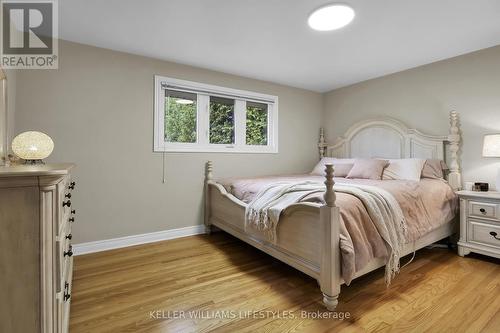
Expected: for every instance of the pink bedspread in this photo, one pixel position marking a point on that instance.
(426, 204)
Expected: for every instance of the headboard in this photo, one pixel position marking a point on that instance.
(390, 138)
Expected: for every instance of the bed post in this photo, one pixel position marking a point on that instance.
(330, 245)
(454, 177)
(321, 143)
(208, 181)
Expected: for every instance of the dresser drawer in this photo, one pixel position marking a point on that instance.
(64, 202)
(484, 209)
(68, 276)
(64, 255)
(484, 233)
(66, 209)
(66, 300)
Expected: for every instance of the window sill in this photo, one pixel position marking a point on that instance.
(216, 150)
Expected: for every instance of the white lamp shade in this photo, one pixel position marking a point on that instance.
(32, 145)
(491, 145)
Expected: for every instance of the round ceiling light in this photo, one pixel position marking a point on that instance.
(331, 17)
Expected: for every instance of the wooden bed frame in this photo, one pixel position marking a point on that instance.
(308, 235)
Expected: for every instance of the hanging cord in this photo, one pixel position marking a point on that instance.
(412, 257)
(430, 247)
(164, 180)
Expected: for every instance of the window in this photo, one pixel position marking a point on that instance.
(256, 124)
(180, 116)
(195, 117)
(221, 120)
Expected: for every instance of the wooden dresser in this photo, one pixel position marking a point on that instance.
(36, 214)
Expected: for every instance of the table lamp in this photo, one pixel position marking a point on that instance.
(491, 148)
(32, 146)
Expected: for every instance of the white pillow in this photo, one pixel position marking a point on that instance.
(319, 169)
(404, 169)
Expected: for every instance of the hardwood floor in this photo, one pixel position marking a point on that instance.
(235, 287)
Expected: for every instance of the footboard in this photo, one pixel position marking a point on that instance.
(308, 234)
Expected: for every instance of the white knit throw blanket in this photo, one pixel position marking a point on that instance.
(263, 212)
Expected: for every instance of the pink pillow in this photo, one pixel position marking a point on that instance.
(368, 169)
(404, 168)
(342, 166)
(342, 169)
(434, 169)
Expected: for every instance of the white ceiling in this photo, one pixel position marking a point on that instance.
(270, 39)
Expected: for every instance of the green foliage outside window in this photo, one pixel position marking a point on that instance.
(180, 121)
(221, 120)
(256, 131)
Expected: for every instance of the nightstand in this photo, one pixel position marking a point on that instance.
(479, 223)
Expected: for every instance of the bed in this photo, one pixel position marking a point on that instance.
(310, 236)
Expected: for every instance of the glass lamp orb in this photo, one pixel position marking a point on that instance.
(32, 146)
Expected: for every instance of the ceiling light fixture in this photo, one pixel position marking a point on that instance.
(184, 101)
(331, 17)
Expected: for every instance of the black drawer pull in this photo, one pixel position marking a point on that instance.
(67, 295)
(67, 203)
(73, 211)
(482, 210)
(72, 186)
(69, 236)
(71, 219)
(494, 235)
(69, 253)
(68, 195)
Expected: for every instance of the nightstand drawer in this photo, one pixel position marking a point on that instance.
(484, 209)
(484, 233)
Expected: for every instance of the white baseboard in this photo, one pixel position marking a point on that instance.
(116, 243)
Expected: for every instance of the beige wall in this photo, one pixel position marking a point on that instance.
(98, 108)
(422, 98)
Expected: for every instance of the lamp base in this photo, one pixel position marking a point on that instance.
(33, 162)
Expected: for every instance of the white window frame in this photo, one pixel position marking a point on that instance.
(204, 91)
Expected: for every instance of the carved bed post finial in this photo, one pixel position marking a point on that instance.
(329, 182)
(454, 177)
(208, 171)
(208, 180)
(321, 143)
